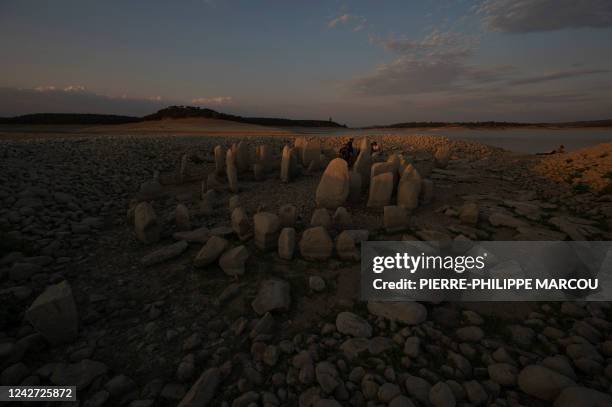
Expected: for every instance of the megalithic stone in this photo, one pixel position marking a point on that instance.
(409, 188)
(286, 174)
(219, 160)
(364, 162)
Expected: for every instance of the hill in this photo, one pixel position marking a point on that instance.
(182, 112)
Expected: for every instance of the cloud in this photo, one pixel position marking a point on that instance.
(553, 76)
(437, 42)
(212, 101)
(519, 16)
(356, 23)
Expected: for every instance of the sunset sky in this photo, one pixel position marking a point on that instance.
(359, 62)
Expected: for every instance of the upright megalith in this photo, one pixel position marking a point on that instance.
(334, 187)
(54, 315)
(316, 244)
(286, 165)
(363, 162)
(288, 215)
(311, 151)
(354, 186)
(286, 243)
(381, 189)
(146, 225)
(219, 160)
(298, 146)
(442, 156)
(181, 218)
(409, 188)
(183, 169)
(264, 157)
(267, 226)
(243, 157)
(232, 171)
(241, 224)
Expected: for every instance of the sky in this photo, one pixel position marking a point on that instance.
(360, 62)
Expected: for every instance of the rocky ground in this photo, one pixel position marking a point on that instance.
(155, 328)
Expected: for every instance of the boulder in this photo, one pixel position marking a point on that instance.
(395, 218)
(210, 252)
(220, 153)
(342, 217)
(265, 157)
(468, 213)
(146, 225)
(54, 315)
(441, 395)
(442, 156)
(203, 390)
(381, 188)
(381, 168)
(316, 244)
(321, 217)
(232, 261)
(286, 243)
(346, 247)
(410, 313)
(232, 178)
(543, 383)
(334, 187)
(273, 295)
(583, 397)
(267, 226)
(164, 254)
(351, 324)
(181, 218)
(234, 202)
(409, 188)
(241, 224)
(200, 235)
(287, 215)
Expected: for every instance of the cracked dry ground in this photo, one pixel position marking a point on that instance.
(148, 333)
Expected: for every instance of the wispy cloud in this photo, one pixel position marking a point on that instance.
(519, 16)
(212, 101)
(354, 22)
(553, 76)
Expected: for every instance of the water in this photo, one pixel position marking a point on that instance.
(529, 141)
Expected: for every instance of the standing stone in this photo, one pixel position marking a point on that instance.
(272, 295)
(334, 186)
(182, 218)
(212, 182)
(286, 243)
(321, 217)
(342, 217)
(232, 261)
(286, 170)
(258, 171)
(241, 224)
(207, 204)
(298, 145)
(364, 162)
(265, 157)
(346, 247)
(381, 168)
(219, 160)
(409, 188)
(210, 252)
(234, 202)
(316, 244)
(354, 186)
(381, 188)
(267, 226)
(468, 213)
(145, 223)
(288, 215)
(242, 157)
(53, 314)
(442, 156)
(427, 191)
(183, 169)
(311, 151)
(395, 218)
(231, 170)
